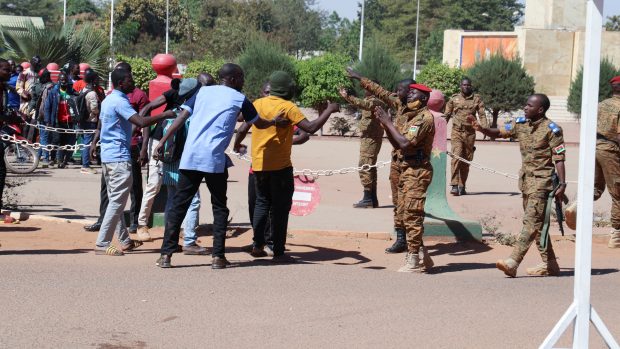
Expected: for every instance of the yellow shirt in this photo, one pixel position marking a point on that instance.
(271, 147)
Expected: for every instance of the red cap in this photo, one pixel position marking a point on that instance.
(421, 87)
(615, 80)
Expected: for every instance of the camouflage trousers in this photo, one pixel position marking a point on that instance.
(412, 186)
(394, 178)
(369, 151)
(534, 205)
(607, 173)
(462, 145)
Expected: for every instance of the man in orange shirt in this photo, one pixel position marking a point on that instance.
(271, 162)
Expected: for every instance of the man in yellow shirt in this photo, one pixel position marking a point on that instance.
(271, 162)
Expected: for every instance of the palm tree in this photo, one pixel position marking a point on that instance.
(57, 44)
(613, 23)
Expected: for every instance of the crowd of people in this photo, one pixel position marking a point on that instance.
(186, 144)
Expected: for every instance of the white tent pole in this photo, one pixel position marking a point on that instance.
(415, 52)
(167, 23)
(362, 32)
(581, 309)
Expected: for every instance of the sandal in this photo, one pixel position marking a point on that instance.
(109, 251)
(132, 245)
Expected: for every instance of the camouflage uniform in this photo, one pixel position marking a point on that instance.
(607, 170)
(394, 104)
(371, 137)
(463, 135)
(542, 144)
(414, 165)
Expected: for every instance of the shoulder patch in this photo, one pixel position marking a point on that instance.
(555, 128)
(520, 120)
(559, 149)
(508, 127)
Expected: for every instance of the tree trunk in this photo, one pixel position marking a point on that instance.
(495, 115)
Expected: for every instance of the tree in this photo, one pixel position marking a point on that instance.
(442, 77)
(502, 83)
(298, 25)
(58, 44)
(50, 10)
(320, 78)
(141, 71)
(75, 7)
(608, 71)
(613, 23)
(377, 64)
(208, 64)
(259, 60)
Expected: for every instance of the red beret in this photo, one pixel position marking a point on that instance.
(615, 80)
(421, 87)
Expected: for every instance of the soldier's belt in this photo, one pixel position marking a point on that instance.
(414, 159)
(600, 137)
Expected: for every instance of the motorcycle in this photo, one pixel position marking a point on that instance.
(19, 158)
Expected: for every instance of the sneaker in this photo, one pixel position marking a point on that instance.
(108, 251)
(508, 266)
(143, 234)
(614, 239)
(93, 227)
(131, 245)
(455, 190)
(412, 264)
(194, 249)
(133, 229)
(88, 170)
(44, 164)
(62, 165)
(258, 252)
(283, 259)
(268, 251)
(462, 191)
(219, 263)
(164, 261)
(545, 269)
(427, 261)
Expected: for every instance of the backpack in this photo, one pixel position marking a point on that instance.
(79, 107)
(173, 148)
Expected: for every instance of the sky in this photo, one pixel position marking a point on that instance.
(348, 8)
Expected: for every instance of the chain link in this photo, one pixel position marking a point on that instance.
(318, 173)
(48, 147)
(60, 130)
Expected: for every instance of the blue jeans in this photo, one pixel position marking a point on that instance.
(88, 138)
(191, 218)
(43, 139)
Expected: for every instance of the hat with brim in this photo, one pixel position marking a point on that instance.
(187, 86)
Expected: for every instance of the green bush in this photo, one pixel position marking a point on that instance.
(141, 70)
(608, 71)
(442, 77)
(208, 64)
(502, 83)
(320, 78)
(259, 59)
(377, 64)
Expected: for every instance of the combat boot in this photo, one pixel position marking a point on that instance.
(462, 191)
(614, 239)
(427, 261)
(412, 264)
(400, 245)
(508, 266)
(455, 190)
(550, 268)
(366, 201)
(373, 196)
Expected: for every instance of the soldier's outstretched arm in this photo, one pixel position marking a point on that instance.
(490, 132)
(356, 102)
(398, 140)
(375, 89)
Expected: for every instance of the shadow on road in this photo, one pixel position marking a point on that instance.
(511, 193)
(15, 229)
(43, 252)
(324, 254)
(595, 272)
(456, 267)
(457, 248)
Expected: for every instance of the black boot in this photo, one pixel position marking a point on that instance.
(400, 245)
(373, 193)
(462, 191)
(366, 201)
(455, 190)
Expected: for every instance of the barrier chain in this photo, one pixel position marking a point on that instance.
(59, 130)
(48, 147)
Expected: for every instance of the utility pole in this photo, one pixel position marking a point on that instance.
(362, 32)
(415, 54)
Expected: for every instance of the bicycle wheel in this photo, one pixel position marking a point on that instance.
(20, 158)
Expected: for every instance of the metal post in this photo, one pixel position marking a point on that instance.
(111, 44)
(64, 12)
(167, 23)
(362, 31)
(415, 54)
(581, 310)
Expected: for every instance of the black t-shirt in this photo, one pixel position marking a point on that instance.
(172, 101)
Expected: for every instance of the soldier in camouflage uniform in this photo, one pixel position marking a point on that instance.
(371, 137)
(607, 170)
(463, 136)
(542, 146)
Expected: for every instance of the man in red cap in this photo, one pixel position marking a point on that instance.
(607, 168)
(413, 136)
